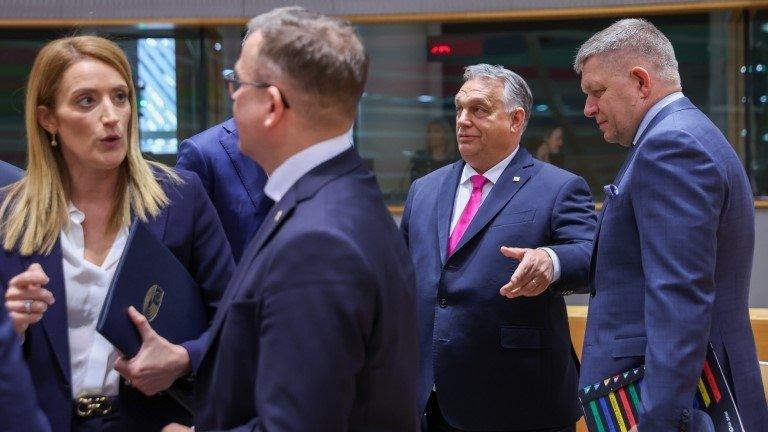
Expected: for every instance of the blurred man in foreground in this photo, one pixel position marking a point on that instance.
(317, 331)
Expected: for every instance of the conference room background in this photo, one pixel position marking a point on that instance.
(415, 71)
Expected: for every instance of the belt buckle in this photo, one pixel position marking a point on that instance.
(88, 406)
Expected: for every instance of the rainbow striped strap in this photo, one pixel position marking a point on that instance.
(613, 404)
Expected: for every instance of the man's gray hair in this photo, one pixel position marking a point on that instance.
(634, 37)
(516, 91)
(321, 56)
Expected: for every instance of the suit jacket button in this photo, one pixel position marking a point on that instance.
(443, 303)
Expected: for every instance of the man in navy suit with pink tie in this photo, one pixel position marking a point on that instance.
(495, 350)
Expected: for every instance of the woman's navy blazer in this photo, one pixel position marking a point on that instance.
(190, 228)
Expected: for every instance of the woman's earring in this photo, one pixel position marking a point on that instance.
(54, 143)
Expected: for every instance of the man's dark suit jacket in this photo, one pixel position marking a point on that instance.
(234, 182)
(189, 227)
(672, 262)
(317, 329)
(498, 364)
(19, 411)
(17, 395)
(9, 174)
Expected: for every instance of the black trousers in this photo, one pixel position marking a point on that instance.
(435, 422)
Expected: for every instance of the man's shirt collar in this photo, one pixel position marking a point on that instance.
(492, 174)
(658, 106)
(290, 171)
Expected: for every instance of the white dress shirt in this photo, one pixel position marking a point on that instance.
(294, 168)
(658, 106)
(464, 191)
(91, 356)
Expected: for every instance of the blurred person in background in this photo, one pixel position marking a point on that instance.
(439, 150)
(550, 149)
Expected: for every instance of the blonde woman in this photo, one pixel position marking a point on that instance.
(64, 225)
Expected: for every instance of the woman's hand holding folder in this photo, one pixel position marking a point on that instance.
(157, 364)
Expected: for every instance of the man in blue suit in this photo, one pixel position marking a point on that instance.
(673, 250)
(18, 404)
(9, 174)
(492, 362)
(317, 329)
(234, 182)
(16, 391)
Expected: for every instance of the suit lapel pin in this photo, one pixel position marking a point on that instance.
(611, 190)
(515, 179)
(278, 215)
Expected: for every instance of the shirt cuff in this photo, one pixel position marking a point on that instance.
(555, 263)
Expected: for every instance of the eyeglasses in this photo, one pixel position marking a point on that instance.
(234, 83)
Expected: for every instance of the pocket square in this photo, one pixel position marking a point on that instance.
(611, 190)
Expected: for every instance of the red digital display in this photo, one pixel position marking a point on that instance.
(440, 49)
(447, 46)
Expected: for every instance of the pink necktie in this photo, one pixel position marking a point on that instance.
(473, 204)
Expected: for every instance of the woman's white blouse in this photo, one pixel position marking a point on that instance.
(91, 356)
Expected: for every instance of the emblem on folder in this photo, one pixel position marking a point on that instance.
(152, 301)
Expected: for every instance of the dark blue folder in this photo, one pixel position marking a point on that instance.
(151, 279)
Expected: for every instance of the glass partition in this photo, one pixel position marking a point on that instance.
(755, 74)
(407, 111)
(405, 126)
